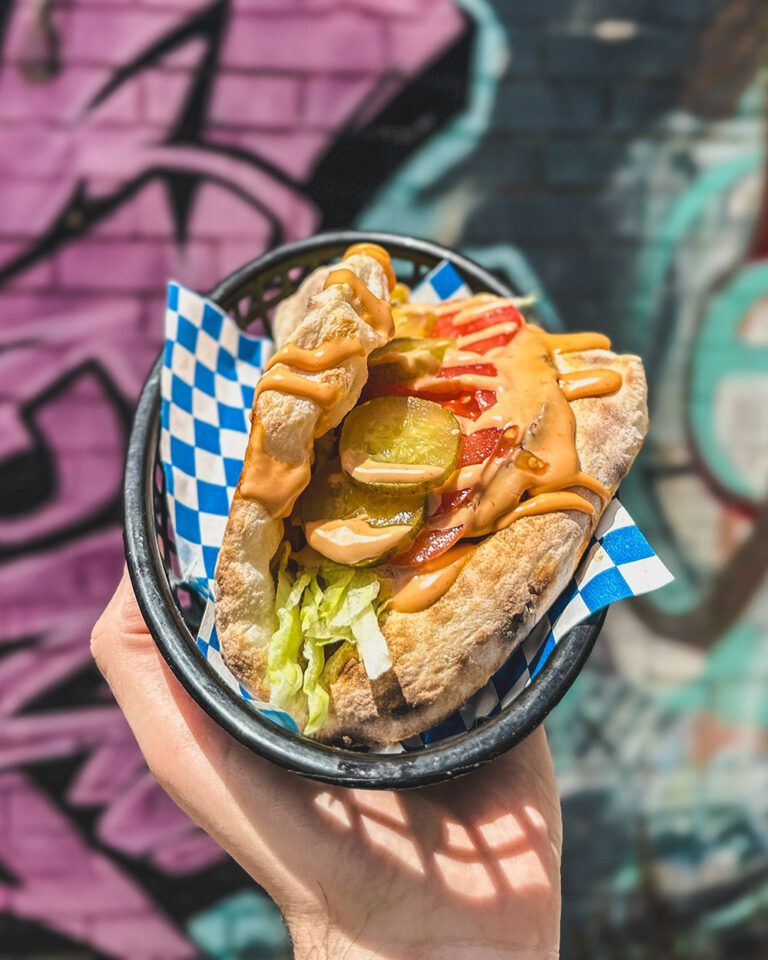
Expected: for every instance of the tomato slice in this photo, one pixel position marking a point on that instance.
(452, 501)
(469, 370)
(483, 346)
(428, 545)
(469, 405)
(445, 327)
(479, 446)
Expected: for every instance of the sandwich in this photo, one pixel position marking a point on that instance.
(419, 485)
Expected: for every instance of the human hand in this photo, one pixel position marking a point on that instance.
(468, 869)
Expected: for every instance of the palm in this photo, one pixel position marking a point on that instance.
(444, 861)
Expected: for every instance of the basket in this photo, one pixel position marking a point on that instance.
(172, 611)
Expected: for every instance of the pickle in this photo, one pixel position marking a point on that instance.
(412, 321)
(331, 496)
(398, 443)
(406, 358)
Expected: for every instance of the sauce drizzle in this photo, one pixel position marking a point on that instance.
(275, 484)
(377, 313)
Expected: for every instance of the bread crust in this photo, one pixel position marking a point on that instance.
(441, 656)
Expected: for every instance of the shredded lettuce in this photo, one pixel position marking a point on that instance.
(317, 695)
(315, 607)
(284, 674)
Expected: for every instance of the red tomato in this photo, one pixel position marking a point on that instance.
(452, 501)
(428, 545)
(472, 369)
(483, 346)
(445, 327)
(469, 405)
(477, 447)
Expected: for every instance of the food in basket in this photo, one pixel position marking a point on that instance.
(419, 485)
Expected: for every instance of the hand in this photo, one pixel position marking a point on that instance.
(469, 869)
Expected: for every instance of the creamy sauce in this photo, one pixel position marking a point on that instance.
(275, 484)
(546, 503)
(486, 334)
(325, 395)
(354, 540)
(536, 467)
(374, 471)
(589, 383)
(377, 253)
(376, 313)
(460, 307)
(529, 397)
(332, 353)
(573, 342)
(419, 591)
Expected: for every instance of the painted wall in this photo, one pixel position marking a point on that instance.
(609, 154)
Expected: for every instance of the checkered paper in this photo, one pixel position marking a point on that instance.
(210, 370)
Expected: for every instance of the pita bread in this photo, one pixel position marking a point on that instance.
(245, 591)
(444, 654)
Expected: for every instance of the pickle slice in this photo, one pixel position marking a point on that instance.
(411, 321)
(331, 498)
(406, 358)
(397, 443)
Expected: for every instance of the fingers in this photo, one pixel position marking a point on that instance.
(181, 744)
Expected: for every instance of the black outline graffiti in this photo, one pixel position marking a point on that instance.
(429, 101)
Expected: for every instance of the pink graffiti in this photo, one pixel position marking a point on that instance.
(79, 328)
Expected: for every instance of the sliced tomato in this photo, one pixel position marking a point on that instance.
(469, 405)
(483, 346)
(452, 501)
(428, 545)
(477, 447)
(469, 370)
(445, 327)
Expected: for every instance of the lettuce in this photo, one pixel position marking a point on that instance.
(317, 606)
(284, 674)
(317, 695)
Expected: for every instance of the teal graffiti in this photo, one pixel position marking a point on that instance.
(732, 682)
(655, 262)
(719, 355)
(409, 202)
(246, 924)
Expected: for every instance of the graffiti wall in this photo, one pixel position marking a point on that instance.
(608, 155)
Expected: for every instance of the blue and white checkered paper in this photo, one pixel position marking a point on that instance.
(210, 370)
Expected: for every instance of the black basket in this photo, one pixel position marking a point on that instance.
(172, 611)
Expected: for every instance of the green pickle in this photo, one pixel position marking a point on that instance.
(411, 323)
(406, 358)
(331, 495)
(400, 444)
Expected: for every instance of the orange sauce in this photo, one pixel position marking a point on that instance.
(329, 354)
(276, 485)
(377, 253)
(419, 591)
(589, 383)
(353, 540)
(538, 468)
(534, 471)
(325, 395)
(376, 312)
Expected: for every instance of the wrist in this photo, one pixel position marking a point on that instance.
(319, 939)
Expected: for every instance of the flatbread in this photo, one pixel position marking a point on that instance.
(446, 653)
(443, 655)
(244, 588)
